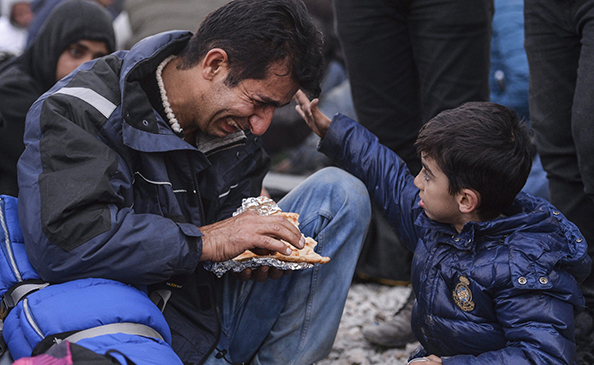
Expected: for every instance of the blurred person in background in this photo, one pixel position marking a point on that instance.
(559, 43)
(149, 17)
(77, 31)
(15, 19)
(42, 8)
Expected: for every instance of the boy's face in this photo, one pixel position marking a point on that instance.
(436, 199)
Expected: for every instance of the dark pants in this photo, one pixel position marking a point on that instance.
(410, 59)
(560, 48)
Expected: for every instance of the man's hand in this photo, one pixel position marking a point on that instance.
(262, 273)
(315, 119)
(226, 239)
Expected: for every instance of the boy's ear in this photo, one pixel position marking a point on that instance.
(214, 62)
(468, 200)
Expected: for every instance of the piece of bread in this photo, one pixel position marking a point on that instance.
(306, 254)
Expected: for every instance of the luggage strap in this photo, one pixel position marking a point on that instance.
(17, 293)
(128, 328)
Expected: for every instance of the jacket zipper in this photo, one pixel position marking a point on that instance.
(198, 196)
(196, 190)
(11, 260)
(30, 318)
(214, 345)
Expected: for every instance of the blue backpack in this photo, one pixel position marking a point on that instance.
(104, 316)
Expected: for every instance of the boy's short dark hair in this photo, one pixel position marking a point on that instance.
(481, 146)
(256, 34)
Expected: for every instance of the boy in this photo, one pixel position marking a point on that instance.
(495, 271)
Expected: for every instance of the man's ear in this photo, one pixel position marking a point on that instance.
(215, 62)
(468, 200)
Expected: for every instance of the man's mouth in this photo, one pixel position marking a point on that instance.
(233, 124)
(421, 203)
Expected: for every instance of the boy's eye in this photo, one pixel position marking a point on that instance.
(425, 174)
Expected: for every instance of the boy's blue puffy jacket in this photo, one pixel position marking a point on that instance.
(75, 306)
(499, 292)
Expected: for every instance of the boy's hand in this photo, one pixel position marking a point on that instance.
(315, 119)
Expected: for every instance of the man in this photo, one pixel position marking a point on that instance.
(77, 31)
(135, 163)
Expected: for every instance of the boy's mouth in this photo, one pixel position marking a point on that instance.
(421, 203)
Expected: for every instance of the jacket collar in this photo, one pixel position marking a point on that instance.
(525, 211)
(143, 128)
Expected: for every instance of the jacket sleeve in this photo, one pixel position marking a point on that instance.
(386, 176)
(72, 210)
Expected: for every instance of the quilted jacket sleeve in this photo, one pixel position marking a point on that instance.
(386, 176)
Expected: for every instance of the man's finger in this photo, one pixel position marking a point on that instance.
(245, 275)
(261, 274)
(275, 273)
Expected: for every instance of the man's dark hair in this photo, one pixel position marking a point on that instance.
(258, 33)
(481, 146)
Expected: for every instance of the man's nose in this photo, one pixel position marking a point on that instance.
(260, 120)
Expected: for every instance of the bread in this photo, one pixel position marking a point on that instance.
(306, 254)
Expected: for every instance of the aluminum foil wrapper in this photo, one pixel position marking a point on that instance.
(263, 206)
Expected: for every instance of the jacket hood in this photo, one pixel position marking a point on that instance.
(70, 21)
(535, 229)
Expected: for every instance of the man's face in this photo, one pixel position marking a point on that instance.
(436, 199)
(223, 110)
(78, 53)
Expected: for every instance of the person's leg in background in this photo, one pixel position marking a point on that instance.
(294, 320)
(380, 63)
(452, 48)
(385, 90)
(559, 45)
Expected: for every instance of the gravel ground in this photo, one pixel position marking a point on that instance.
(367, 303)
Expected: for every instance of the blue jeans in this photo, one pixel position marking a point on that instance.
(560, 48)
(294, 320)
(408, 60)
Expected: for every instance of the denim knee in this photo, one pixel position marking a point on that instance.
(347, 187)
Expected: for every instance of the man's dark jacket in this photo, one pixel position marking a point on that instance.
(108, 190)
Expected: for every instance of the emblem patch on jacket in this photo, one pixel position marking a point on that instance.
(462, 295)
